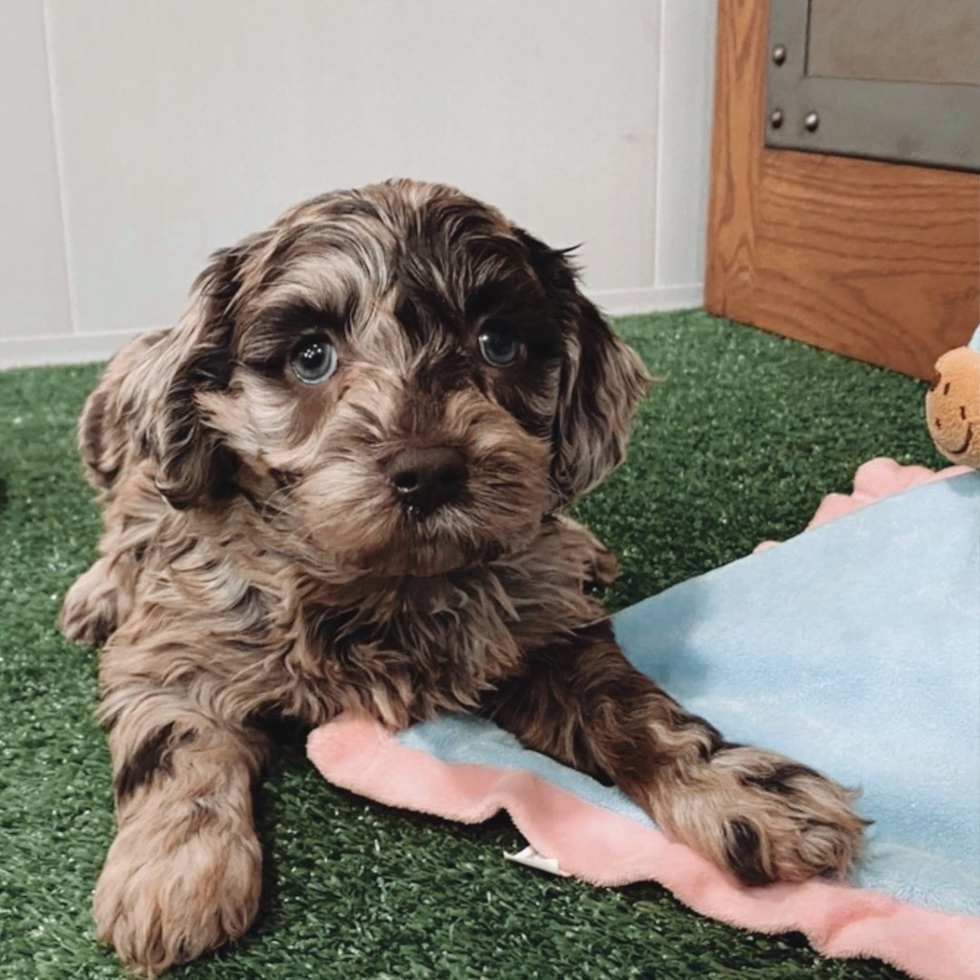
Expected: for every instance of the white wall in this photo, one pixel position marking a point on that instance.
(138, 137)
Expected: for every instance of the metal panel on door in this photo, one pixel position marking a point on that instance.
(895, 80)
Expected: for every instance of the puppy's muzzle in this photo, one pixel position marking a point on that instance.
(426, 479)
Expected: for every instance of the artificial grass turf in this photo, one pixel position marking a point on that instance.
(739, 443)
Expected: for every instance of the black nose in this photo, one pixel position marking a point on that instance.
(425, 479)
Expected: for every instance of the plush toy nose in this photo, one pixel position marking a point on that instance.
(426, 479)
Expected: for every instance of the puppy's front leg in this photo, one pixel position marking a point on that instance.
(600, 567)
(752, 812)
(183, 874)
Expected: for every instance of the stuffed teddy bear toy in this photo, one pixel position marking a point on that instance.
(953, 404)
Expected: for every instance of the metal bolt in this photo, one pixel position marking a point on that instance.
(779, 54)
(811, 121)
(776, 118)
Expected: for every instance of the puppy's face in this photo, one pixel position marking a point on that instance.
(409, 382)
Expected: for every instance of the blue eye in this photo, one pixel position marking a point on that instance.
(500, 344)
(314, 360)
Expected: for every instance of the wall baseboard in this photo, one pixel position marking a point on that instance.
(648, 299)
(65, 348)
(72, 348)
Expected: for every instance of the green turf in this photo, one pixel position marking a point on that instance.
(740, 441)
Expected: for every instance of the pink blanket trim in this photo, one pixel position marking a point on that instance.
(879, 477)
(601, 847)
(606, 849)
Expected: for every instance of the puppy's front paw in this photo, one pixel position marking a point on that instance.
(167, 898)
(765, 818)
(90, 612)
(600, 570)
(603, 570)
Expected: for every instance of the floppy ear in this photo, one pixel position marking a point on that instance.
(602, 380)
(193, 464)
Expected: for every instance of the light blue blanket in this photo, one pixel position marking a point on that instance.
(855, 648)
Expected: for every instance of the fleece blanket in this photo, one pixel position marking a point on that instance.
(854, 647)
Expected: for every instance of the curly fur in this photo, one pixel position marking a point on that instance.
(257, 562)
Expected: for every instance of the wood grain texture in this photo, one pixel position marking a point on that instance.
(877, 261)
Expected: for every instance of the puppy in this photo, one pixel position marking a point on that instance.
(336, 486)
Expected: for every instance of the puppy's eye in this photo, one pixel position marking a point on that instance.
(314, 360)
(500, 344)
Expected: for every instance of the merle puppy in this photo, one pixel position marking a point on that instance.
(337, 485)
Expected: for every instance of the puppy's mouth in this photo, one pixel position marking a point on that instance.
(436, 537)
(419, 514)
(433, 496)
(434, 540)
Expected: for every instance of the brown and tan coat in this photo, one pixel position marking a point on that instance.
(386, 538)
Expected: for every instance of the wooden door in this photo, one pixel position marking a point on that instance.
(876, 260)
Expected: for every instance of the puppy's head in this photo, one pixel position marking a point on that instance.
(405, 379)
